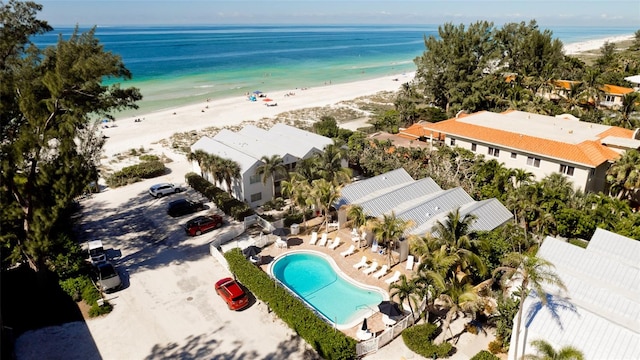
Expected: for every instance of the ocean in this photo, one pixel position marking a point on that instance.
(179, 65)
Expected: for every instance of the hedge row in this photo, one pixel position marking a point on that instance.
(133, 173)
(419, 339)
(225, 202)
(328, 342)
(484, 355)
(81, 288)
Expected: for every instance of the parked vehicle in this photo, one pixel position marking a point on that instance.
(107, 278)
(231, 292)
(96, 252)
(203, 223)
(182, 207)
(160, 190)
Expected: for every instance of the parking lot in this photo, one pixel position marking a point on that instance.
(168, 307)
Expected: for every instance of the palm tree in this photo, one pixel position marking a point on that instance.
(624, 175)
(271, 168)
(198, 156)
(454, 235)
(388, 231)
(230, 171)
(629, 106)
(533, 272)
(329, 164)
(211, 166)
(357, 215)
(299, 192)
(547, 352)
(405, 289)
(325, 195)
(458, 297)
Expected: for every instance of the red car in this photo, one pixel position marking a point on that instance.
(203, 223)
(232, 293)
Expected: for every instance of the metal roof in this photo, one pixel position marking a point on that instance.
(616, 246)
(355, 191)
(300, 141)
(600, 312)
(211, 146)
(421, 201)
(249, 145)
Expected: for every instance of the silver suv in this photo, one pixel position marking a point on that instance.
(159, 190)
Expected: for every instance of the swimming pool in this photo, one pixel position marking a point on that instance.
(317, 280)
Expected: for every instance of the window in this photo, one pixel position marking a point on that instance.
(254, 179)
(494, 152)
(514, 155)
(535, 162)
(453, 142)
(609, 98)
(567, 170)
(473, 147)
(256, 197)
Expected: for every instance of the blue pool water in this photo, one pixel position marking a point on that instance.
(314, 279)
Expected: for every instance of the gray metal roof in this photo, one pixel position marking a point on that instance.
(423, 202)
(600, 312)
(353, 192)
(298, 141)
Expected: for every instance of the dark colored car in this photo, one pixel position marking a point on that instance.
(107, 278)
(183, 207)
(232, 294)
(203, 223)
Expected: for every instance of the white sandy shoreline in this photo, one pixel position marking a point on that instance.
(155, 126)
(582, 46)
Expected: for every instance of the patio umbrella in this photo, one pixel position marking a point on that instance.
(280, 232)
(251, 251)
(364, 325)
(389, 308)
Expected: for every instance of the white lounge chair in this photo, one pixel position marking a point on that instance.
(314, 238)
(382, 272)
(336, 242)
(349, 251)
(395, 277)
(372, 268)
(362, 263)
(410, 260)
(323, 239)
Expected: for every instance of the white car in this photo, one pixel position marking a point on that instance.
(159, 190)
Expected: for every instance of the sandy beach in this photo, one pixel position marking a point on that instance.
(156, 126)
(168, 308)
(576, 48)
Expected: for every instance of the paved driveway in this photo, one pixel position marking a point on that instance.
(168, 308)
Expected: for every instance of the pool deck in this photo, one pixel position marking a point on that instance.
(301, 242)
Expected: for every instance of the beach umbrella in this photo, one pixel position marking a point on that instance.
(257, 92)
(251, 251)
(389, 308)
(280, 232)
(364, 325)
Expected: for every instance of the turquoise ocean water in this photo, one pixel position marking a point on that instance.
(178, 65)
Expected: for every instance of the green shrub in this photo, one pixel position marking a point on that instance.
(329, 343)
(496, 346)
(75, 286)
(484, 355)
(97, 310)
(419, 339)
(225, 202)
(148, 157)
(133, 173)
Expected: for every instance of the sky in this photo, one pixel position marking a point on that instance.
(597, 13)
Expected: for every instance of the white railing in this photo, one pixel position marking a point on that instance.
(372, 345)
